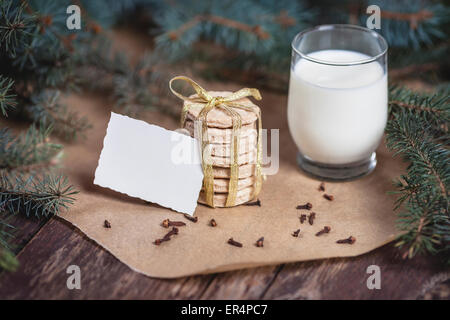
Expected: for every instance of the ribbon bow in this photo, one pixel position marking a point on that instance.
(228, 104)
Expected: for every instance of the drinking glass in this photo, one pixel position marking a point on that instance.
(338, 99)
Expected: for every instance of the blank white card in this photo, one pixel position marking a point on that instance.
(151, 163)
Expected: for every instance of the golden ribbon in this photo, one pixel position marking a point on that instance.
(228, 104)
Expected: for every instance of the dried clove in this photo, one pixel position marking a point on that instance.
(107, 224)
(322, 186)
(302, 218)
(213, 223)
(167, 223)
(167, 236)
(349, 240)
(190, 218)
(254, 203)
(295, 234)
(159, 241)
(171, 233)
(260, 242)
(306, 206)
(328, 197)
(234, 243)
(311, 218)
(325, 229)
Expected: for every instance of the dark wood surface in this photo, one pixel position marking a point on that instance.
(48, 248)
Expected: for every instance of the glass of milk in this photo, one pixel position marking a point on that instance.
(338, 100)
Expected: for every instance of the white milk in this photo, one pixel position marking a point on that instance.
(337, 114)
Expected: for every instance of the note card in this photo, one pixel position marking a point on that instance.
(151, 163)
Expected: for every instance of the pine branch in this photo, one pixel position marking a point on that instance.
(7, 99)
(47, 110)
(14, 26)
(230, 23)
(424, 189)
(250, 27)
(39, 196)
(413, 18)
(411, 23)
(7, 260)
(29, 152)
(432, 109)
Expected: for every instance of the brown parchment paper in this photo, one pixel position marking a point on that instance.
(361, 208)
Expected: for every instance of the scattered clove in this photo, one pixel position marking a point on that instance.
(349, 240)
(107, 224)
(190, 218)
(167, 223)
(167, 236)
(254, 203)
(213, 223)
(325, 229)
(302, 218)
(260, 242)
(311, 218)
(322, 186)
(328, 197)
(295, 234)
(234, 243)
(306, 206)
(171, 232)
(159, 241)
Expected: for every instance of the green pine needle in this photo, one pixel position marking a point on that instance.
(418, 130)
(7, 99)
(29, 152)
(39, 196)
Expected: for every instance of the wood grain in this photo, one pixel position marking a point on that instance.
(42, 275)
(346, 278)
(25, 229)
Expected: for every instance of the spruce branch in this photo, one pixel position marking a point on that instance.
(35, 195)
(411, 23)
(432, 109)
(413, 18)
(7, 99)
(249, 27)
(423, 192)
(7, 260)
(217, 20)
(15, 27)
(47, 110)
(29, 152)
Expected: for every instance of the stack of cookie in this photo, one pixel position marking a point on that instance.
(219, 135)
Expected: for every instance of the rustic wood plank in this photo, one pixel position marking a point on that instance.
(346, 278)
(44, 261)
(242, 284)
(25, 230)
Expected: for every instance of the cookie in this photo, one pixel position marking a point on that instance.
(221, 185)
(225, 162)
(245, 171)
(248, 133)
(224, 150)
(220, 199)
(218, 117)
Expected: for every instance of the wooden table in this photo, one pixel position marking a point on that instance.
(46, 248)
